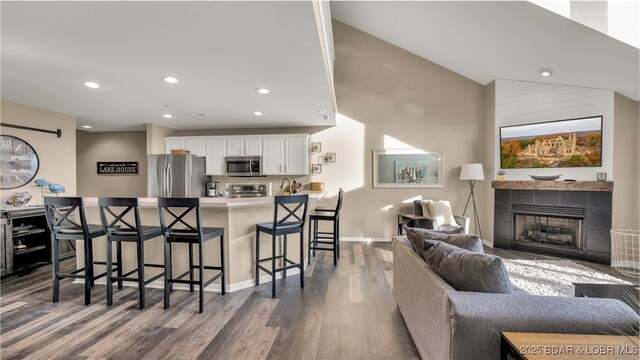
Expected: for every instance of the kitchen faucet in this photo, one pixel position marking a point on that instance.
(282, 186)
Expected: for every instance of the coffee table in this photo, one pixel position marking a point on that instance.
(629, 294)
(537, 346)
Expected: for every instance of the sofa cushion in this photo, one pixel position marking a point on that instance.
(441, 211)
(466, 270)
(417, 237)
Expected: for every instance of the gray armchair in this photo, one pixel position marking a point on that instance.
(462, 226)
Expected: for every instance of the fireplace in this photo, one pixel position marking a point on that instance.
(549, 226)
(572, 223)
(548, 230)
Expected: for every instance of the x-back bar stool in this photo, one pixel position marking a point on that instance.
(119, 230)
(291, 223)
(178, 230)
(60, 213)
(319, 237)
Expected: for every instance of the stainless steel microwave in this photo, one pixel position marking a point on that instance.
(245, 166)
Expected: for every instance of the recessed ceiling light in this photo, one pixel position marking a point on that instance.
(91, 84)
(545, 72)
(170, 79)
(263, 91)
(86, 126)
(198, 115)
(321, 111)
(257, 113)
(167, 116)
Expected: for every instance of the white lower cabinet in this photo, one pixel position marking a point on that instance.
(216, 152)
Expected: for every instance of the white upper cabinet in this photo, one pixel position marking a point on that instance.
(285, 155)
(216, 152)
(273, 156)
(171, 144)
(196, 146)
(239, 146)
(281, 154)
(235, 146)
(253, 146)
(296, 155)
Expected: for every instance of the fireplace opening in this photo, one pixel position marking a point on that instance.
(548, 230)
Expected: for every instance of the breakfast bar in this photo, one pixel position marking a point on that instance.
(238, 216)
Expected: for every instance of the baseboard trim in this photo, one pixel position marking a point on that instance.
(365, 239)
(159, 284)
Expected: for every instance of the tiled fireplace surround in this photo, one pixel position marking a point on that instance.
(596, 238)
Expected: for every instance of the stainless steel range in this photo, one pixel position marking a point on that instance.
(256, 190)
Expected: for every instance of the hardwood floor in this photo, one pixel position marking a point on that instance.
(346, 311)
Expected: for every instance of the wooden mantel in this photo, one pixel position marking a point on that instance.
(554, 185)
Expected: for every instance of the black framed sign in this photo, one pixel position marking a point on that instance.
(117, 167)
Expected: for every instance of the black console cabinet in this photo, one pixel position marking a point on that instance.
(25, 240)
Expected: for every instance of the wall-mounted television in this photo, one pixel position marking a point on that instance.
(552, 144)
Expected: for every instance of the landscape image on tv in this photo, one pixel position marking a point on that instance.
(563, 143)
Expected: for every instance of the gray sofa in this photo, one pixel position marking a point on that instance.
(431, 224)
(449, 324)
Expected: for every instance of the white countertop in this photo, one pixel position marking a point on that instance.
(219, 202)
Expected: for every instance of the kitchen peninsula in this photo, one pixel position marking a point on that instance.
(238, 216)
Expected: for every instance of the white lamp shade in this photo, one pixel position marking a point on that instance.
(472, 172)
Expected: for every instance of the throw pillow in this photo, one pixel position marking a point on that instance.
(467, 242)
(425, 209)
(441, 212)
(465, 270)
(417, 237)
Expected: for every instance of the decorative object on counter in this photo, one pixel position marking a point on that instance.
(316, 147)
(19, 199)
(56, 188)
(180, 152)
(316, 186)
(545, 177)
(328, 158)
(117, 168)
(316, 168)
(296, 187)
(501, 176)
(19, 162)
(601, 176)
(407, 168)
(472, 173)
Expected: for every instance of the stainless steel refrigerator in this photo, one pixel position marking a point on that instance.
(176, 176)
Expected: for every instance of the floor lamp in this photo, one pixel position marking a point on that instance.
(472, 173)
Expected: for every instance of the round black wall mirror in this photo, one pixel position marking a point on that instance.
(19, 162)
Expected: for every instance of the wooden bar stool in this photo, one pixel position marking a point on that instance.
(118, 230)
(284, 227)
(60, 213)
(188, 234)
(319, 237)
